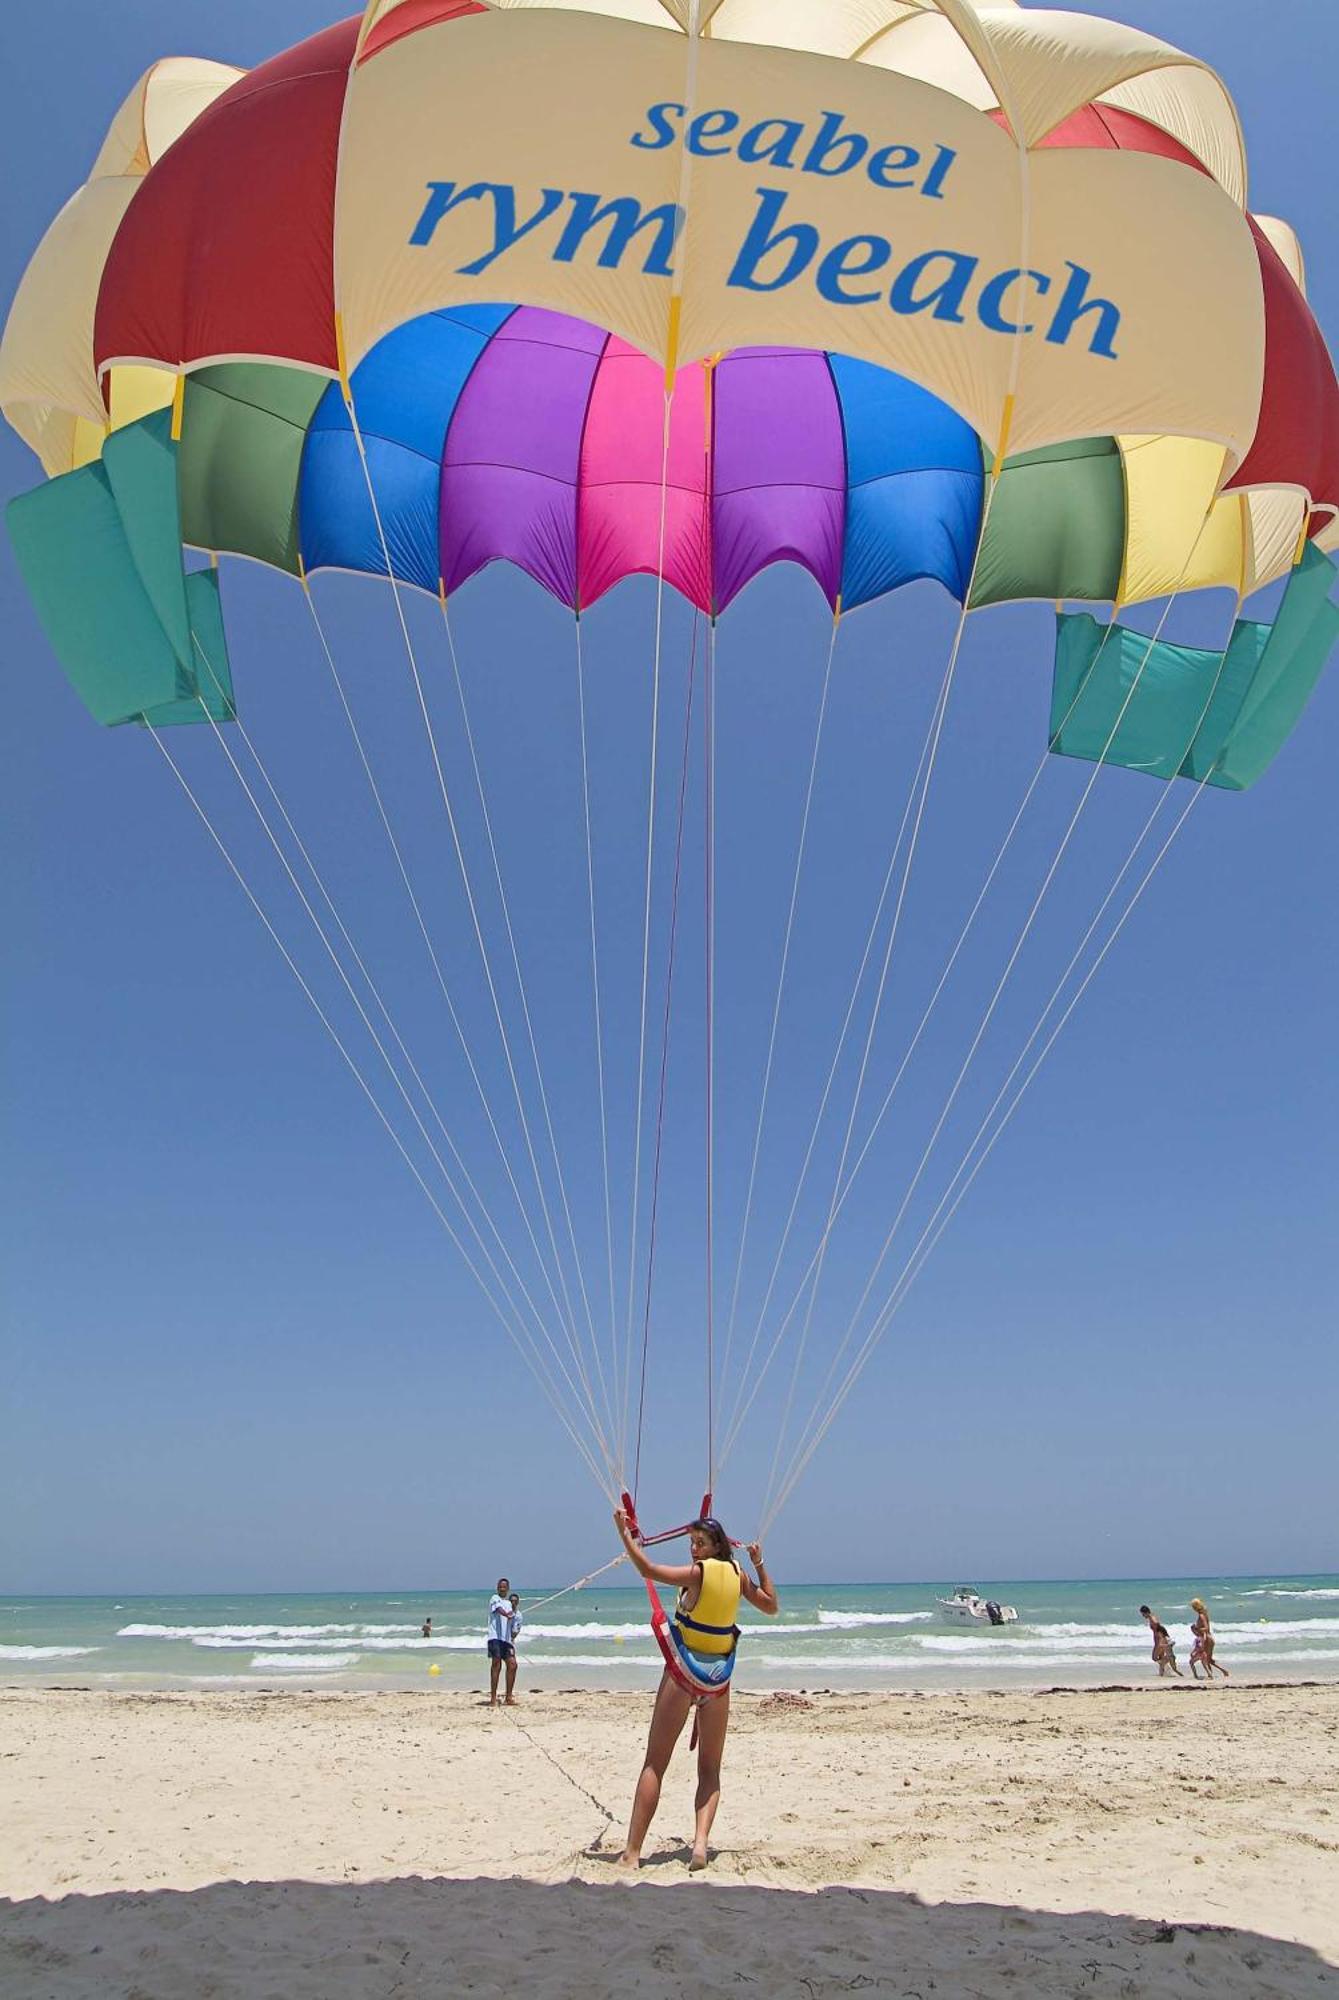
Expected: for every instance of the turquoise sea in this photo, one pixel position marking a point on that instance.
(838, 1636)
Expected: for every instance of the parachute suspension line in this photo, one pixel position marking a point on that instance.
(1012, 960)
(709, 1035)
(849, 1334)
(620, 1441)
(800, 849)
(914, 1043)
(534, 1360)
(569, 1320)
(380, 1047)
(921, 1252)
(538, 1603)
(416, 907)
(984, 890)
(664, 1059)
(646, 911)
(920, 792)
(372, 988)
(527, 1018)
(671, 370)
(836, 1059)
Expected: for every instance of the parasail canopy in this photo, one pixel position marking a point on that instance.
(896, 291)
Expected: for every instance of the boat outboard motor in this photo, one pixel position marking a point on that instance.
(993, 1612)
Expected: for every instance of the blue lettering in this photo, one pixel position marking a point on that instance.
(711, 125)
(854, 258)
(830, 140)
(658, 118)
(443, 197)
(626, 219)
(884, 166)
(1076, 305)
(933, 184)
(778, 151)
(800, 239)
(944, 298)
(991, 305)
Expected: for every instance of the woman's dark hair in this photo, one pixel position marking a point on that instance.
(720, 1541)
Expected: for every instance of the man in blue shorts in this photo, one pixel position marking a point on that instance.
(500, 1648)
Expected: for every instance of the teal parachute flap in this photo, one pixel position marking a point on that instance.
(1299, 643)
(1119, 697)
(212, 697)
(100, 551)
(140, 462)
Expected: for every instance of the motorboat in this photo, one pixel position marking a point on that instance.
(968, 1607)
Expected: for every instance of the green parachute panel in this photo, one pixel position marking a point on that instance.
(243, 429)
(1056, 527)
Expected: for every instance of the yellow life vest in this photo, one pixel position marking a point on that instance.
(710, 1626)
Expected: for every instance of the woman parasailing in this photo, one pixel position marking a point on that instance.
(699, 1647)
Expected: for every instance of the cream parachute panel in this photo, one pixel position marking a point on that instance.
(1275, 522)
(1055, 63)
(1283, 237)
(1191, 103)
(1183, 98)
(47, 378)
(1194, 373)
(169, 96)
(49, 389)
(1192, 330)
(929, 47)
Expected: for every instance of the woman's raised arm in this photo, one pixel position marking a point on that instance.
(675, 1576)
(762, 1594)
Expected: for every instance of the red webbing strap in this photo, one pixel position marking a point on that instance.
(660, 1617)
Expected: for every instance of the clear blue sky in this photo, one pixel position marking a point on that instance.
(239, 1353)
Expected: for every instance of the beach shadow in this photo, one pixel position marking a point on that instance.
(419, 1936)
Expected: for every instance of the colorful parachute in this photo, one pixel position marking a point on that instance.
(1036, 223)
(892, 290)
(1015, 230)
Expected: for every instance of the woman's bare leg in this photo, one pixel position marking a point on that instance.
(713, 1719)
(667, 1721)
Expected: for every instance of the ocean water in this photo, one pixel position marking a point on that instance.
(846, 1636)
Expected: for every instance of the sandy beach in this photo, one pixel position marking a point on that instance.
(1122, 1842)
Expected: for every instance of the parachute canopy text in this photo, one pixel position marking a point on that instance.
(780, 248)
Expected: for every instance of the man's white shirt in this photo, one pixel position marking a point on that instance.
(499, 1618)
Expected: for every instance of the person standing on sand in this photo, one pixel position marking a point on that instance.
(1164, 1652)
(501, 1652)
(1203, 1635)
(713, 1584)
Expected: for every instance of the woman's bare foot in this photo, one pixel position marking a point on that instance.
(697, 1861)
(628, 1864)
